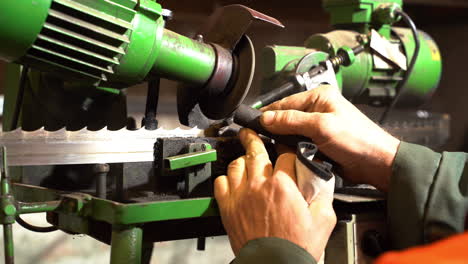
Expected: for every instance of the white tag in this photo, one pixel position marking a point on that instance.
(388, 50)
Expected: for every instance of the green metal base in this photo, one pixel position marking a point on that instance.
(130, 229)
(126, 245)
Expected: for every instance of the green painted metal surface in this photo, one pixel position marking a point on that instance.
(363, 75)
(184, 59)
(117, 10)
(113, 44)
(191, 159)
(113, 212)
(109, 90)
(345, 12)
(126, 245)
(428, 68)
(351, 79)
(39, 207)
(8, 244)
(21, 22)
(127, 214)
(8, 210)
(279, 62)
(276, 59)
(144, 46)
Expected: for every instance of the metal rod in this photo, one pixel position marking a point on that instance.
(201, 243)
(101, 190)
(8, 244)
(126, 245)
(150, 122)
(19, 98)
(101, 171)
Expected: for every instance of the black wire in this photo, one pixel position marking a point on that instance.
(401, 85)
(38, 229)
(19, 98)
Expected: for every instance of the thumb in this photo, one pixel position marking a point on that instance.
(293, 122)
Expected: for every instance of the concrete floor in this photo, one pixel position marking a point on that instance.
(61, 248)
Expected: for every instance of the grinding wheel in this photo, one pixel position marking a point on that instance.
(197, 109)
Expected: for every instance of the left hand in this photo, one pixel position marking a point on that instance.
(257, 201)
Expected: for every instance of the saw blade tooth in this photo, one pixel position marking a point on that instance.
(61, 130)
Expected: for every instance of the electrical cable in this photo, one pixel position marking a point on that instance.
(38, 229)
(401, 85)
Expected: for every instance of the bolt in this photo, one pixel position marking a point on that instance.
(101, 171)
(9, 210)
(199, 38)
(101, 168)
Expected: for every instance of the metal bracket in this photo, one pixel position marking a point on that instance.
(307, 63)
(197, 165)
(328, 77)
(198, 154)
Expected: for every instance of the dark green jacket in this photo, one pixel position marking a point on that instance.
(428, 200)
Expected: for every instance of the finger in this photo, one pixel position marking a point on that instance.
(304, 101)
(283, 149)
(285, 166)
(236, 173)
(257, 160)
(292, 122)
(299, 101)
(221, 189)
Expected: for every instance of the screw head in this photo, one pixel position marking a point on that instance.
(101, 168)
(9, 210)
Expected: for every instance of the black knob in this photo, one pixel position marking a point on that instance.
(373, 243)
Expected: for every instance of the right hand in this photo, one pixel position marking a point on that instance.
(363, 149)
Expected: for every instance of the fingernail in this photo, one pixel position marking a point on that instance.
(267, 118)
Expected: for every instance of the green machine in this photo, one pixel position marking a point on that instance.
(69, 150)
(386, 71)
(65, 106)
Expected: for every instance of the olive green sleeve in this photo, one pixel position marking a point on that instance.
(273, 250)
(428, 195)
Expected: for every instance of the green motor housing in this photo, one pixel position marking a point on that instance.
(371, 79)
(114, 43)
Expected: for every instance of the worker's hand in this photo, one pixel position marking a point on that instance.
(363, 149)
(257, 201)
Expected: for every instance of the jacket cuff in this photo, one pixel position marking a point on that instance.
(273, 250)
(414, 171)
